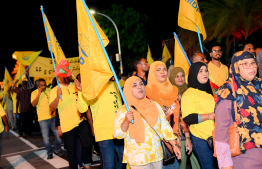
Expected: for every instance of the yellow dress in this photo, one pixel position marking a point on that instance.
(149, 151)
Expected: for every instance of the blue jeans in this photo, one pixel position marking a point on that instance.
(174, 165)
(107, 149)
(45, 126)
(203, 152)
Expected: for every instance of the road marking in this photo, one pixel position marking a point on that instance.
(22, 152)
(24, 140)
(18, 162)
(56, 161)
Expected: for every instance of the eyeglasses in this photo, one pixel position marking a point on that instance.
(218, 51)
(247, 65)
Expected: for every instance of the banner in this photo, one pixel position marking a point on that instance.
(149, 58)
(7, 81)
(20, 71)
(56, 48)
(189, 17)
(165, 55)
(94, 67)
(43, 67)
(25, 57)
(180, 58)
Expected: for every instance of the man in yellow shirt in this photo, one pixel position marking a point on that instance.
(46, 119)
(69, 109)
(103, 109)
(215, 67)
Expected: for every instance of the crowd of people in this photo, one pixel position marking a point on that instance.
(164, 103)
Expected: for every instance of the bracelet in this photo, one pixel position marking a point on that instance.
(176, 145)
(188, 138)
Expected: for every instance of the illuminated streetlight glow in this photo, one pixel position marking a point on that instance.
(92, 11)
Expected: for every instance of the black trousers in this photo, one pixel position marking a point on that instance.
(26, 121)
(84, 134)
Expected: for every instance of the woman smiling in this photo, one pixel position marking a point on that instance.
(240, 101)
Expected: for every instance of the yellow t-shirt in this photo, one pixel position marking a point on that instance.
(220, 74)
(2, 113)
(68, 107)
(42, 107)
(104, 108)
(200, 102)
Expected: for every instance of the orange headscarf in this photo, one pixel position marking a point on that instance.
(144, 106)
(164, 93)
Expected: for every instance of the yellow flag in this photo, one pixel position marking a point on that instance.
(56, 48)
(189, 17)
(7, 81)
(165, 55)
(149, 58)
(180, 58)
(25, 57)
(20, 71)
(94, 68)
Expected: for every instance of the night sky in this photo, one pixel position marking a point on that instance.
(23, 28)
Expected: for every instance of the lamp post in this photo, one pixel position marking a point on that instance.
(118, 39)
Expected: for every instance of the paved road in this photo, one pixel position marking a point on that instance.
(20, 153)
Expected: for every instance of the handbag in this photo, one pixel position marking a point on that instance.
(168, 153)
(234, 141)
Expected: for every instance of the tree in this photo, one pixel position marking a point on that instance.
(227, 20)
(132, 31)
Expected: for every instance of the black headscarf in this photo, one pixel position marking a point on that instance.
(192, 78)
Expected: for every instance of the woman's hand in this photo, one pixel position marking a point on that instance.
(188, 146)
(129, 116)
(177, 151)
(125, 124)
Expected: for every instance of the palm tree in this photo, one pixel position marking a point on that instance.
(226, 19)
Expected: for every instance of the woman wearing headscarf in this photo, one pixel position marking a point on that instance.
(239, 100)
(142, 145)
(177, 78)
(166, 95)
(197, 106)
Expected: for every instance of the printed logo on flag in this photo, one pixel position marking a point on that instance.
(25, 58)
(84, 45)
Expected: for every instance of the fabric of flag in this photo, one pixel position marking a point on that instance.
(63, 69)
(189, 17)
(20, 71)
(180, 58)
(165, 55)
(94, 68)
(149, 58)
(7, 81)
(214, 88)
(25, 57)
(56, 48)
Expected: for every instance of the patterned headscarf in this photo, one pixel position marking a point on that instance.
(246, 103)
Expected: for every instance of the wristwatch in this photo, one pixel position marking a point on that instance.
(176, 145)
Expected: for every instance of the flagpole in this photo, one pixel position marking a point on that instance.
(53, 60)
(199, 38)
(182, 49)
(107, 57)
(29, 66)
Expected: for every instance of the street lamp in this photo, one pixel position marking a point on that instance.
(117, 34)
